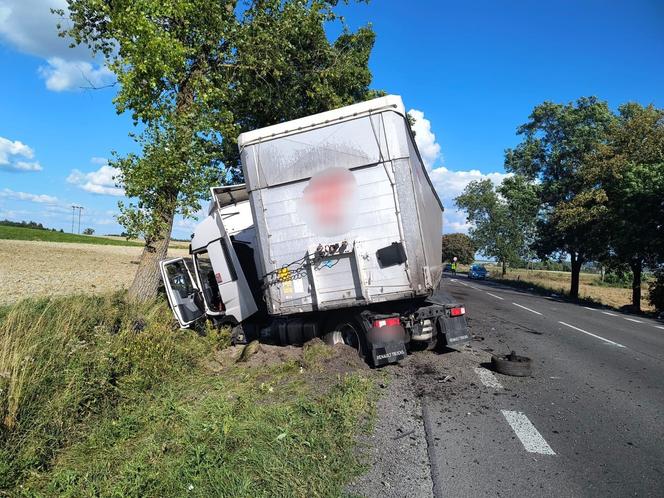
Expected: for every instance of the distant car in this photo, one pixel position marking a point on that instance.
(448, 268)
(478, 272)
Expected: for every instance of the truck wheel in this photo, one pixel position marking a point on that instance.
(347, 333)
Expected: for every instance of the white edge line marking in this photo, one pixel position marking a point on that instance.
(592, 335)
(487, 378)
(632, 320)
(493, 295)
(528, 309)
(591, 309)
(658, 327)
(609, 313)
(529, 436)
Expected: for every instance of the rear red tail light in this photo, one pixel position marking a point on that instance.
(458, 311)
(387, 322)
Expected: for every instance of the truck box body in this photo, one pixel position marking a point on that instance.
(345, 213)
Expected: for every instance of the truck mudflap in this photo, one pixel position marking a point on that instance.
(386, 344)
(453, 330)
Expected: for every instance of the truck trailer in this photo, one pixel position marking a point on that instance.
(336, 233)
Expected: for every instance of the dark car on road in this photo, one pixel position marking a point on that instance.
(478, 272)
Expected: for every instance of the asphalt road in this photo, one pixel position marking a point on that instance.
(589, 422)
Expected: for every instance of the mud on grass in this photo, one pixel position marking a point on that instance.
(115, 401)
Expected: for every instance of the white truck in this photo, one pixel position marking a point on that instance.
(336, 233)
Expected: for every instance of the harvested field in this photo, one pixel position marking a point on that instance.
(31, 268)
(589, 287)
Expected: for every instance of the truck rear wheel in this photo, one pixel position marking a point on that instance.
(349, 333)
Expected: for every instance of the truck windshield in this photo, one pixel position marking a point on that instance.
(208, 280)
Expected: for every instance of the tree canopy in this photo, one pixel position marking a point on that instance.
(458, 245)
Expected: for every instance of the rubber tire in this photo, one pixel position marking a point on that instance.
(521, 368)
(330, 340)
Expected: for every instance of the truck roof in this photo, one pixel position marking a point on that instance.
(393, 102)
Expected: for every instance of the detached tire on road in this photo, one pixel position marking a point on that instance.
(512, 364)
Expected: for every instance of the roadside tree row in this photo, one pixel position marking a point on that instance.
(587, 185)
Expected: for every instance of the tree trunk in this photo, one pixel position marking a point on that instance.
(636, 266)
(146, 281)
(504, 268)
(577, 261)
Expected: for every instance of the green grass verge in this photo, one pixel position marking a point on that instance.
(101, 397)
(20, 233)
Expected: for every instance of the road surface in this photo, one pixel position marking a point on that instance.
(589, 422)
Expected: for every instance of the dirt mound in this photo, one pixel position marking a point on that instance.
(315, 355)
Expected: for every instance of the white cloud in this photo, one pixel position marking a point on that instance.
(61, 75)
(102, 181)
(25, 196)
(30, 27)
(425, 139)
(448, 183)
(27, 166)
(13, 154)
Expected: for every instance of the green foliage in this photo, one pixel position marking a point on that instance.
(557, 140)
(656, 290)
(196, 74)
(19, 233)
(629, 171)
(503, 218)
(24, 224)
(89, 231)
(458, 245)
(100, 396)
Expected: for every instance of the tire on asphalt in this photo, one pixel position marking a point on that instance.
(512, 364)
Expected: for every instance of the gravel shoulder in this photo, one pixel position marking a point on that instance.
(32, 268)
(396, 451)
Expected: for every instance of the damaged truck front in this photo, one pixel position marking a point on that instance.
(336, 234)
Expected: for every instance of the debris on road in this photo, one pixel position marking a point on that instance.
(512, 364)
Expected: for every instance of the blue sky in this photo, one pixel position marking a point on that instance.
(472, 71)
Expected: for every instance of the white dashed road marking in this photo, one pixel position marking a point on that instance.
(659, 327)
(530, 437)
(488, 379)
(493, 295)
(591, 309)
(632, 320)
(591, 334)
(527, 309)
(609, 313)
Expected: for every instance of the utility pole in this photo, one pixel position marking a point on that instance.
(73, 216)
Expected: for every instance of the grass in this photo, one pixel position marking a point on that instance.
(102, 397)
(21, 233)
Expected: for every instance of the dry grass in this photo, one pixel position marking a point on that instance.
(31, 268)
(559, 281)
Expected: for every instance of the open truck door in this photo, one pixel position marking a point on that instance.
(182, 291)
(219, 275)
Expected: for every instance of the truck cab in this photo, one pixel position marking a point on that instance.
(212, 281)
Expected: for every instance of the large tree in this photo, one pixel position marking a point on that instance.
(557, 140)
(627, 179)
(502, 219)
(196, 73)
(458, 245)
